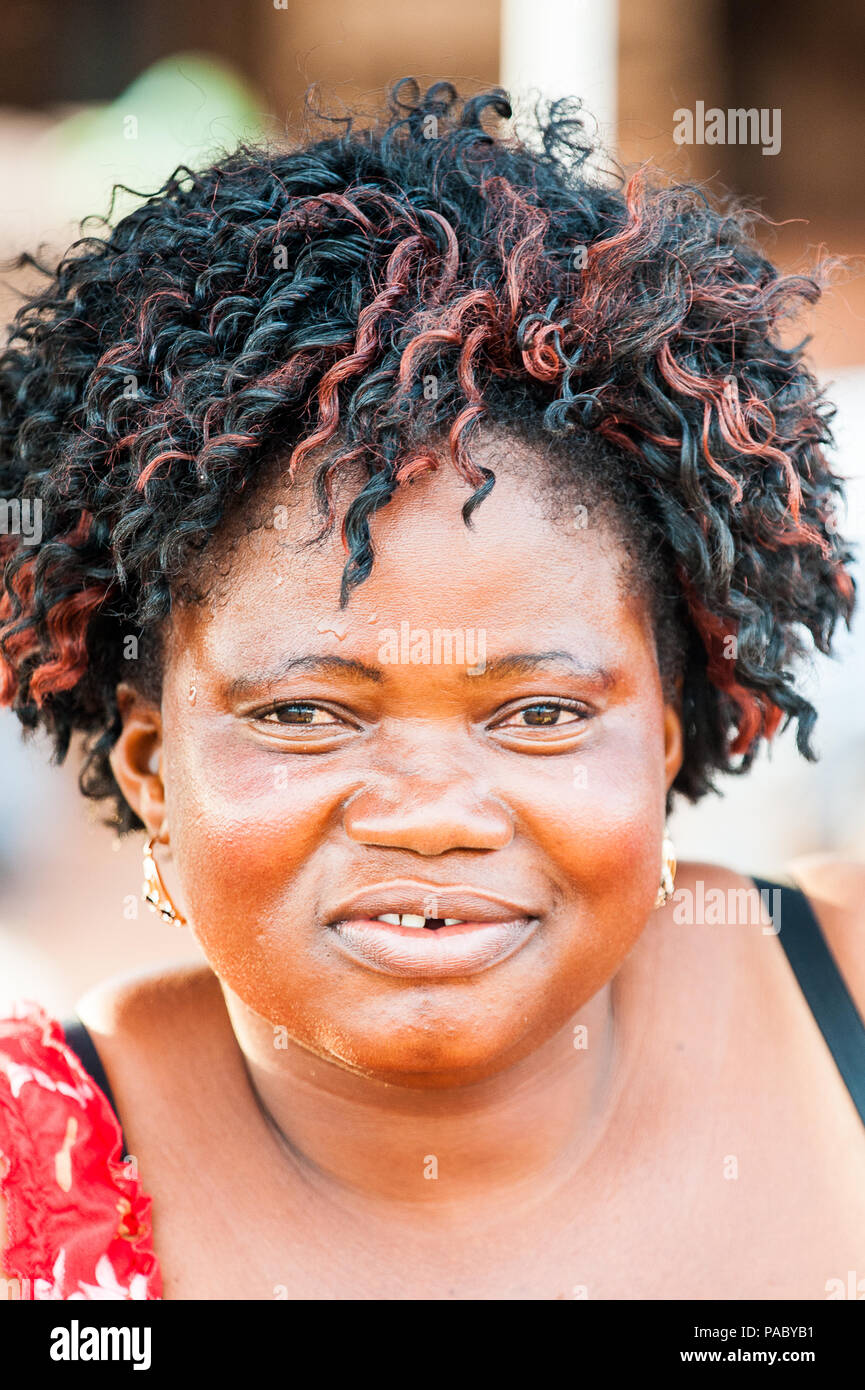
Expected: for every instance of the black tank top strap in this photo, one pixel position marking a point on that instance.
(81, 1043)
(823, 986)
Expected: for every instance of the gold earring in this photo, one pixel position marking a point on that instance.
(668, 870)
(153, 890)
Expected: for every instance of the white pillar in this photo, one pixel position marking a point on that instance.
(563, 48)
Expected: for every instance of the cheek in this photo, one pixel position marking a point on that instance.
(599, 817)
(250, 847)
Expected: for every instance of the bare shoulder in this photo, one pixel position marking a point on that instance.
(136, 1008)
(839, 881)
(836, 890)
(691, 872)
(701, 878)
(162, 1037)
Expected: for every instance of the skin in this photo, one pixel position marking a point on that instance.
(559, 1168)
(424, 771)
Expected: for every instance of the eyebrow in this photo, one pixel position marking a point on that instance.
(519, 662)
(317, 665)
(358, 671)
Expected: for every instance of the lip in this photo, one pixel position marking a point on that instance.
(467, 902)
(491, 930)
(462, 950)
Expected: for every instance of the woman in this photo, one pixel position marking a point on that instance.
(420, 516)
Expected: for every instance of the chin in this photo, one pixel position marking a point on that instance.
(435, 1054)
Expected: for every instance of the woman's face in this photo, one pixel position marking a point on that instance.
(310, 754)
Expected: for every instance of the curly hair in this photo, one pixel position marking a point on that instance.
(286, 301)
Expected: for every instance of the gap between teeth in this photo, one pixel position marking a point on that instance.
(413, 919)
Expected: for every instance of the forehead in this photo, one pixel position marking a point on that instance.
(535, 566)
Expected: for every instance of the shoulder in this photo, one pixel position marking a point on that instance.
(137, 1009)
(835, 888)
(142, 1026)
(841, 881)
(714, 889)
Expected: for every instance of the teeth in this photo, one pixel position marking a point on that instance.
(413, 919)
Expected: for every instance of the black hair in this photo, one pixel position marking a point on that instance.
(302, 300)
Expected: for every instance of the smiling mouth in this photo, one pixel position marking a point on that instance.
(407, 924)
(459, 948)
(407, 927)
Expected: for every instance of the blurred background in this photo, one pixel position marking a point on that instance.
(95, 92)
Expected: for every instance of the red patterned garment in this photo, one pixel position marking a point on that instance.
(78, 1219)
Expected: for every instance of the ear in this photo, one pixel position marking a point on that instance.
(674, 739)
(136, 759)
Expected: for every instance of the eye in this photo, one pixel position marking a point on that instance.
(299, 714)
(546, 714)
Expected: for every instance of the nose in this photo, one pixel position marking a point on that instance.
(429, 814)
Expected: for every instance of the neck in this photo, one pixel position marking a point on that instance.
(522, 1132)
